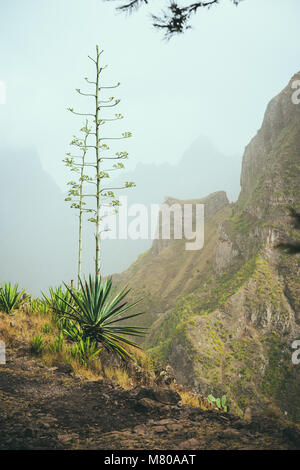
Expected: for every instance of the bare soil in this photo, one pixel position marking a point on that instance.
(49, 408)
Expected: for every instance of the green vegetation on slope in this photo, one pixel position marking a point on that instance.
(207, 298)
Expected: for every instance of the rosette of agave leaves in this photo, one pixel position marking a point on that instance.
(10, 297)
(96, 310)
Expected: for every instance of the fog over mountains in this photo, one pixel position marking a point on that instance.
(38, 231)
(202, 170)
(38, 238)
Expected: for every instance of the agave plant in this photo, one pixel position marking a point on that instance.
(97, 309)
(57, 345)
(58, 301)
(10, 297)
(37, 344)
(39, 306)
(72, 330)
(85, 350)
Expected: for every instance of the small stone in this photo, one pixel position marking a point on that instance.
(167, 396)
(141, 429)
(146, 403)
(159, 429)
(174, 427)
(163, 422)
(163, 395)
(248, 414)
(190, 444)
(230, 433)
(65, 437)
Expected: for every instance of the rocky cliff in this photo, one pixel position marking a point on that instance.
(166, 272)
(225, 317)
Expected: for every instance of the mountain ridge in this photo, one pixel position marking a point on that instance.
(231, 329)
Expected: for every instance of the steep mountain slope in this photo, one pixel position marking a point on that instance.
(186, 179)
(167, 272)
(225, 318)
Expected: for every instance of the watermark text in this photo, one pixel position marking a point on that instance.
(157, 222)
(296, 94)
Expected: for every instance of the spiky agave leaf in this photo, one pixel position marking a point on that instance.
(56, 300)
(10, 297)
(86, 350)
(96, 309)
(56, 297)
(72, 330)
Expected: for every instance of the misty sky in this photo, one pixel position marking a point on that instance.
(214, 80)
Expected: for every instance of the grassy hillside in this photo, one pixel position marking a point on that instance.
(225, 317)
(162, 276)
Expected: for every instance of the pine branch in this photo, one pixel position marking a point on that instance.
(175, 19)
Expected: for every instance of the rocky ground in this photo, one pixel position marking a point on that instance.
(48, 408)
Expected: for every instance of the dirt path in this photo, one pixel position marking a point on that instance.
(47, 408)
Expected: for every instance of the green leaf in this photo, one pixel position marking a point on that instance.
(211, 398)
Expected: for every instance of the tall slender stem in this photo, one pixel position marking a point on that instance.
(79, 249)
(97, 261)
(81, 209)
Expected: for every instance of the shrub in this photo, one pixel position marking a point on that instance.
(39, 306)
(57, 345)
(37, 344)
(58, 301)
(10, 297)
(220, 403)
(85, 350)
(46, 328)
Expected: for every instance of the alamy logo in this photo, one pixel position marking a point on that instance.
(296, 354)
(296, 94)
(2, 352)
(2, 92)
(164, 222)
